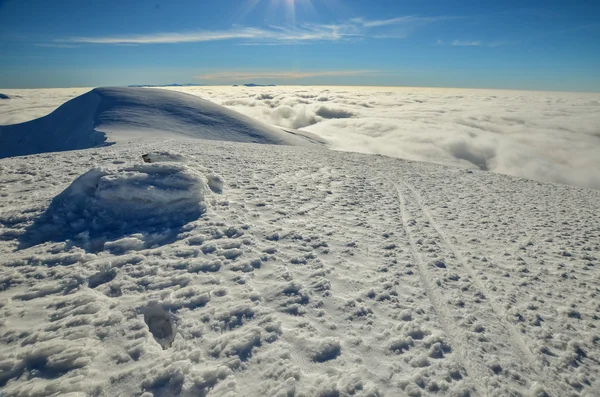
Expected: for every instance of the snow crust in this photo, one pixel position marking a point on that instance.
(311, 273)
(108, 115)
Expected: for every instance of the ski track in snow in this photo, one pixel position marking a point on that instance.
(436, 298)
(497, 331)
(315, 273)
(456, 255)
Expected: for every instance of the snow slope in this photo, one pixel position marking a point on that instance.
(296, 272)
(108, 115)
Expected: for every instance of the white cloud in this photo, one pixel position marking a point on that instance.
(538, 135)
(405, 20)
(348, 30)
(55, 45)
(545, 136)
(466, 43)
(471, 43)
(167, 38)
(273, 34)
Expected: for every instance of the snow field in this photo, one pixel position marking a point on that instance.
(303, 272)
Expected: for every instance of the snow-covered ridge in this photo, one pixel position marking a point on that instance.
(107, 115)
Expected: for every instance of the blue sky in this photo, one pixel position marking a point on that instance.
(525, 44)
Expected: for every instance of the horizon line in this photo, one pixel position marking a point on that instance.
(269, 85)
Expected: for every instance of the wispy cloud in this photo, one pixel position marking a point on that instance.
(172, 37)
(470, 43)
(56, 45)
(278, 75)
(352, 29)
(466, 43)
(272, 34)
(405, 20)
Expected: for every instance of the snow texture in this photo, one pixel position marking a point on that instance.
(108, 115)
(312, 273)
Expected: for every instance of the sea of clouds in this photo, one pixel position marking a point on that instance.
(546, 136)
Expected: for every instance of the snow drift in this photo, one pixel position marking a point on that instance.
(107, 115)
(124, 209)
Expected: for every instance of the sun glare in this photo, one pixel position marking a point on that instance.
(284, 9)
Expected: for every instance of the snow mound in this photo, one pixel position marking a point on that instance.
(122, 210)
(109, 115)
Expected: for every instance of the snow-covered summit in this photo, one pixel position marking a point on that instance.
(106, 115)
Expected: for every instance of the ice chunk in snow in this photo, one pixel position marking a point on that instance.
(156, 157)
(326, 349)
(215, 183)
(150, 201)
(161, 325)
